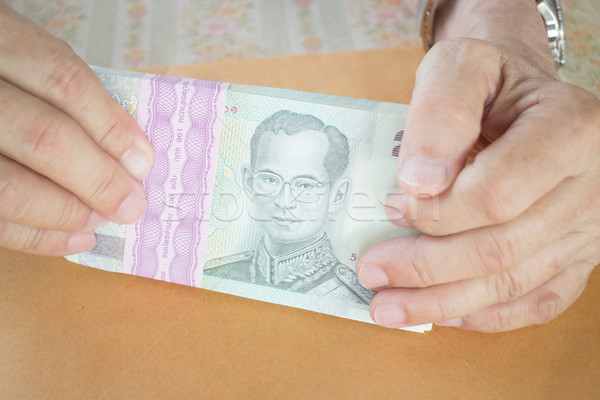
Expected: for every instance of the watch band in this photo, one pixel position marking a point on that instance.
(426, 12)
(555, 28)
(550, 10)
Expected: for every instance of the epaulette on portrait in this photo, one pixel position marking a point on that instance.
(348, 278)
(218, 262)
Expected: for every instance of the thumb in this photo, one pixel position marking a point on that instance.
(455, 82)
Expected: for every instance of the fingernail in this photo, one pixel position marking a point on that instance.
(95, 221)
(81, 241)
(456, 322)
(132, 209)
(423, 173)
(389, 315)
(137, 163)
(371, 277)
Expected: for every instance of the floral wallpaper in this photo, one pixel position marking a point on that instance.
(385, 23)
(312, 42)
(582, 19)
(135, 52)
(218, 30)
(224, 31)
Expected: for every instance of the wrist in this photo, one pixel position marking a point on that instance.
(514, 25)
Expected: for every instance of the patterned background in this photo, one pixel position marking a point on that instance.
(139, 33)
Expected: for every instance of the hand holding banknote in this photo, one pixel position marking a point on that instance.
(69, 154)
(510, 238)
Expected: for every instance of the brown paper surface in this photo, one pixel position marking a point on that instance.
(68, 331)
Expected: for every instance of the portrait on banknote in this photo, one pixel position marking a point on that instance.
(294, 181)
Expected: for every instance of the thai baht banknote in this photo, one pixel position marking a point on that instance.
(257, 192)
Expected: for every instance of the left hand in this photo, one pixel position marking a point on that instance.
(511, 236)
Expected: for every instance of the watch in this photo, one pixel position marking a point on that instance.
(555, 29)
(425, 13)
(550, 10)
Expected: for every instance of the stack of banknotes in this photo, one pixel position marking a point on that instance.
(257, 192)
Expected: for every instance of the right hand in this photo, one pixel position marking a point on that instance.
(70, 156)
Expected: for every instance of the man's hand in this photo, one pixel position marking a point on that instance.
(70, 156)
(500, 169)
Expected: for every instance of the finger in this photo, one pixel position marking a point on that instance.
(44, 242)
(405, 307)
(46, 67)
(535, 154)
(537, 307)
(30, 199)
(426, 260)
(506, 179)
(454, 82)
(52, 144)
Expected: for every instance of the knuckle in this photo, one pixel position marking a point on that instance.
(117, 135)
(430, 214)
(546, 307)
(11, 194)
(35, 241)
(575, 154)
(102, 196)
(418, 269)
(496, 319)
(30, 240)
(111, 135)
(507, 286)
(66, 80)
(442, 312)
(494, 252)
(43, 136)
(554, 264)
(495, 201)
(69, 215)
(447, 308)
(449, 109)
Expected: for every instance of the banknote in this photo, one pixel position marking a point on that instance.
(258, 192)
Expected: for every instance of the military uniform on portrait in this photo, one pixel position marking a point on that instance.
(313, 270)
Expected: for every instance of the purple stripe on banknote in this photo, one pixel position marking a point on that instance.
(197, 179)
(182, 119)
